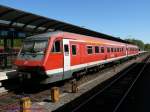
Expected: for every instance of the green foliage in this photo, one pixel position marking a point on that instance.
(1, 43)
(139, 43)
(147, 47)
(17, 42)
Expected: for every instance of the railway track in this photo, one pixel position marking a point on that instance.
(10, 101)
(110, 97)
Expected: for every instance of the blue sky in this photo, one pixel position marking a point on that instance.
(121, 18)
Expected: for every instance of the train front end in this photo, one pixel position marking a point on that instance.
(30, 60)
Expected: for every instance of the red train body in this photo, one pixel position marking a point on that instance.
(60, 55)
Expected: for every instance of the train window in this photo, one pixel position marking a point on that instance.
(96, 49)
(89, 50)
(112, 50)
(117, 49)
(66, 48)
(108, 49)
(102, 49)
(74, 50)
(56, 46)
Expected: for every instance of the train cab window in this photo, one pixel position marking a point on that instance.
(102, 49)
(89, 50)
(96, 49)
(108, 49)
(56, 46)
(74, 50)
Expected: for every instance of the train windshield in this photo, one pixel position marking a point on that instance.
(34, 47)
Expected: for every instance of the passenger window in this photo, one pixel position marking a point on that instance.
(102, 49)
(117, 49)
(74, 50)
(96, 49)
(89, 50)
(108, 49)
(111, 49)
(56, 46)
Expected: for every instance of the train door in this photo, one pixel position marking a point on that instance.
(66, 51)
(126, 50)
(108, 52)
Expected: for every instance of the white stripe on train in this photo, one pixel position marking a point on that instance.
(59, 70)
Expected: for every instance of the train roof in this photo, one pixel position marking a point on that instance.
(43, 36)
(47, 35)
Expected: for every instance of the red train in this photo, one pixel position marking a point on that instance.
(60, 55)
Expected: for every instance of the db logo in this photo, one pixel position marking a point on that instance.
(25, 62)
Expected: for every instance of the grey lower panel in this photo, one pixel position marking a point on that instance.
(53, 78)
(58, 77)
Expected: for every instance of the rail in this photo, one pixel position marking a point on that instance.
(129, 89)
(112, 83)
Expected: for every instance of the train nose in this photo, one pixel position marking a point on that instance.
(24, 75)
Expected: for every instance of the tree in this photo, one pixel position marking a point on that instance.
(139, 43)
(147, 47)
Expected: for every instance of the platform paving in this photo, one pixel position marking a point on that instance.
(7, 74)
